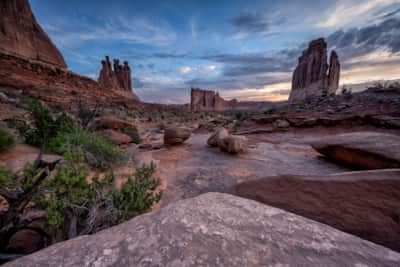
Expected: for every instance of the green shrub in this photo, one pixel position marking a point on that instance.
(44, 125)
(6, 139)
(138, 194)
(98, 151)
(7, 179)
(133, 133)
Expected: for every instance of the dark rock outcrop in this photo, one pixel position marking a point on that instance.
(215, 230)
(365, 150)
(21, 34)
(205, 100)
(365, 203)
(313, 77)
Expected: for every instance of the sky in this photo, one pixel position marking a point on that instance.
(243, 49)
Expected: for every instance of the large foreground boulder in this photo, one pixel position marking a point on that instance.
(365, 203)
(215, 230)
(366, 150)
(176, 135)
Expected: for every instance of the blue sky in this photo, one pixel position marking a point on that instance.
(244, 49)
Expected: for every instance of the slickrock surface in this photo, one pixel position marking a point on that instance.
(215, 230)
(366, 203)
(313, 77)
(204, 100)
(21, 34)
(366, 150)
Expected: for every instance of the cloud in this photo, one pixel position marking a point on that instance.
(248, 22)
(185, 70)
(255, 23)
(358, 41)
(118, 28)
(347, 12)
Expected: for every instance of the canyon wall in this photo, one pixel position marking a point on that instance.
(20, 34)
(56, 85)
(313, 77)
(205, 100)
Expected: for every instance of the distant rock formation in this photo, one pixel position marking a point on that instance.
(21, 34)
(313, 77)
(204, 100)
(116, 78)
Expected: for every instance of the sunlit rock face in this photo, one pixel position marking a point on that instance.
(313, 77)
(204, 100)
(21, 34)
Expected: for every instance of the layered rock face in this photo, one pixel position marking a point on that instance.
(215, 230)
(21, 34)
(116, 78)
(205, 100)
(313, 77)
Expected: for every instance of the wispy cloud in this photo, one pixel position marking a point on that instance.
(121, 29)
(348, 12)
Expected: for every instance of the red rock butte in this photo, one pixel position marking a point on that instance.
(21, 34)
(313, 77)
(205, 100)
(32, 64)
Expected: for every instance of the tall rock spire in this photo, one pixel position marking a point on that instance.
(313, 76)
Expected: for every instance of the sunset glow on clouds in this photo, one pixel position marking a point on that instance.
(244, 49)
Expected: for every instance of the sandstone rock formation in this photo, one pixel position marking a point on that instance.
(204, 100)
(117, 138)
(176, 135)
(217, 137)
(21, 34)
(313, 77)
(117, 77)
(365, 203)
(233, 144)
(110, 122)
(215, 230)
(366, 150)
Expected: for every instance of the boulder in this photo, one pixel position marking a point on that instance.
(115, 137)
(365, 203)
(365, 150)
(25, 242)
(110, 122)
(217, 137)
(176, 135)
(233, 144)
(215, 229)
(21, 34)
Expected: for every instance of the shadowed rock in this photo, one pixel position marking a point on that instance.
(366, 150)
(215, 230)
(365, 203)
(21, 34)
